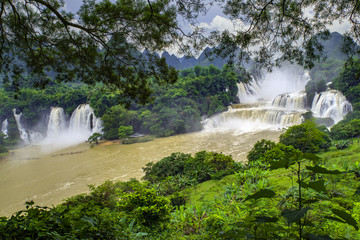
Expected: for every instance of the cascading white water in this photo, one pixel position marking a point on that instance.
(81, 125)
(285, 107)
(262, 117)
(295, 100)
(331, 104)
(81, 119)
(4, 127)
(23, 134)
(27, 135)
(57, 122)
(248, 92)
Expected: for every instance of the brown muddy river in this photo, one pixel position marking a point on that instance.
(47, 176)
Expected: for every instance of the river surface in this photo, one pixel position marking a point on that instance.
(49, 176)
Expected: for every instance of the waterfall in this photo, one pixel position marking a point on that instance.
(83, 120)
(4, 127)
(57, 122)
(295, 100)
(331, 104)
(248, 92)
(23, 134)
(259, 115)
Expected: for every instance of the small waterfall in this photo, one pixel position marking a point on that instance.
(23, 134)
(248, 92)
(295, 100)
(4, 127)
(83, 120)
(331, 104)
(57, 122)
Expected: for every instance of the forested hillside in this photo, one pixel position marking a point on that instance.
(174, 109)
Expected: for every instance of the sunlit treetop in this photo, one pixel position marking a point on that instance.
(101, 43)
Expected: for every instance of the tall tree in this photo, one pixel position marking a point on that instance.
(101, 42)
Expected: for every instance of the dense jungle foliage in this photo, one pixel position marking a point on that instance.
(281, 193)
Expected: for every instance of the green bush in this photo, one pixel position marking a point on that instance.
(187, 170)
(145, 206)
(306, 137)
(345, 130)
(259, 149)
(125, 131)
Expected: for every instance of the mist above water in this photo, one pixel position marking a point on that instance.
(280, 81)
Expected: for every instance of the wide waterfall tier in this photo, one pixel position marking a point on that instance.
(83, 119)
(57, 122)
(295, 100)
(4, 127)
(260, 115)
(331, 104)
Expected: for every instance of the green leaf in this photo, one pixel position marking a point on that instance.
(263, 193)
(294, 215)
(283, 163)
(318, 186)
(311, 156)
(310, 201)
(318, 237)
(346, 217)
(335, 219)
(357, 192)
(265, 219)
(318, 169)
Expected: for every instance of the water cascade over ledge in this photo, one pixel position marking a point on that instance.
(331, 104)
(4, 127)
(257, 111)
(60, 131)
(23, 134)
(57, 122)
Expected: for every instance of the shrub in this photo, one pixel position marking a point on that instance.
(306, 138)
(125, 131)
(259, 149)
(345, 130)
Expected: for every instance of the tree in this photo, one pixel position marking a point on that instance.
(102, 42)
(306, 138)
(95, 138)
(99, 44)
(125, 131)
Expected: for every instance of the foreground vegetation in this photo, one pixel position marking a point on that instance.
(285, 191)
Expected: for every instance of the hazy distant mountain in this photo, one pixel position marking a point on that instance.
(333, 46)
(206, 58)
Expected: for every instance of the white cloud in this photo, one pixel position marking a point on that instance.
(221, 24)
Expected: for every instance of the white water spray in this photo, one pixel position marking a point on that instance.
(331, 104)
(285, 91)
(23, 134)
(57, 122)
(82, 124)
(4, 127)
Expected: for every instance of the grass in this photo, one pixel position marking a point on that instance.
(282, 179)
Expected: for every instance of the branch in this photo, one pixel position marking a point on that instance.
(62, 19)
(152, 11)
